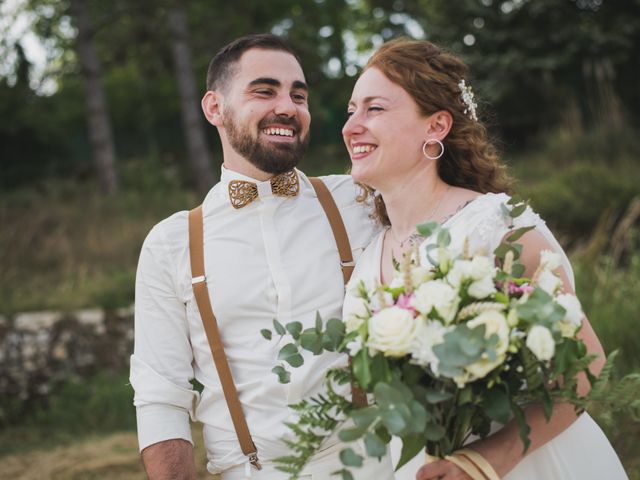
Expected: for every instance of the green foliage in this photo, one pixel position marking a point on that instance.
(76, 408)
(64, 246)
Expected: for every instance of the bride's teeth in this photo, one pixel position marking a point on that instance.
(363, 148)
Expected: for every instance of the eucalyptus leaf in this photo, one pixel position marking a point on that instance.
(290, 354)
(266, 333)
(280, 330)
(311, 341)
(395, 422)
(444, 238)
(436, 396)
(318, 322)
(283, 375)
(516, 234)
(374, 445)
(294, 328)
(428, 228)
(350, 458)
(351, 434)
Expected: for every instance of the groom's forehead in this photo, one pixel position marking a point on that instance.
(278, 65)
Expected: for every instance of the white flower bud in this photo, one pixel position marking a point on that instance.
(541, 343)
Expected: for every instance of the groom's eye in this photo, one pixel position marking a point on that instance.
(349, 113)
(375, 109)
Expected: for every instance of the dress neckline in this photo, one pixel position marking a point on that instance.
(454, 215)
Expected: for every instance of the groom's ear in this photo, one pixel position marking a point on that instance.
(439, 124)
(212, 107)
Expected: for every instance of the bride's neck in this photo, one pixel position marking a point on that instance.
(410, 200)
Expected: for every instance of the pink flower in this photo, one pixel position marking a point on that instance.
(518, 290)
(404, 301)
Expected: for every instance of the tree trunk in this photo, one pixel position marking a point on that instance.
(97, 113)
(189, 102)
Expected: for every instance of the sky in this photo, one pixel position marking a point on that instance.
(15, 26)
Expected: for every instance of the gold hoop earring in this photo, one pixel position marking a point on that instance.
(431, 141)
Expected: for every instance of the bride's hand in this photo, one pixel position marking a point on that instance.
(441, 470)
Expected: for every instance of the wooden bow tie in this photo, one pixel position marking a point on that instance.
(242, 193)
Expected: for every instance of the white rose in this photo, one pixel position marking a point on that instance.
(420, 274)
(428, 334)
(573, 316)
(548, 281)
(356, 315)
(482, 288)
(540, 342)
(460, 272)
(550, 260)
(481, 267)
(439, 295)
(494, 323)
(392, 331)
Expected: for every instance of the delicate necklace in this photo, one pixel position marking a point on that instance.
(414, 236)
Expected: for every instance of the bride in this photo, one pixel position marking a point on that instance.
(419, 150)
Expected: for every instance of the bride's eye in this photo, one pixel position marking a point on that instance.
(375, 108)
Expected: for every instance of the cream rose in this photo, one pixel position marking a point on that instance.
(437, 295)
(573, 316)
(548, 281)
(392, 332)
(495, 323)
(429, 334)
(482, 288)
(541, 343)
(357, 314)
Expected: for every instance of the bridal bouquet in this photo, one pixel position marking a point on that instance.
(451, 345)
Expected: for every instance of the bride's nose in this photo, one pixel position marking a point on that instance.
(353, 125)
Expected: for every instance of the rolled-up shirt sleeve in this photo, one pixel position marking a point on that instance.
(162, 362)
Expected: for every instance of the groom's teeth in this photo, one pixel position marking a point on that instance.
(284, 132)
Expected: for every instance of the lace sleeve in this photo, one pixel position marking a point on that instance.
(494, 225)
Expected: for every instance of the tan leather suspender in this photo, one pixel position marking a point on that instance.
(201, 293)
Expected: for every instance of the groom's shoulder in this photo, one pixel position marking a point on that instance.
(343, 188)
(170, 233)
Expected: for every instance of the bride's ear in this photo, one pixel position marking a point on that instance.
(439, 124)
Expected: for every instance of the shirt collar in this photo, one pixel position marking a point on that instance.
(264, 187)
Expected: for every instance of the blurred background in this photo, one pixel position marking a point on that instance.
(101, 136)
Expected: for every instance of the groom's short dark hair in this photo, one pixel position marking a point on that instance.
(221, 68)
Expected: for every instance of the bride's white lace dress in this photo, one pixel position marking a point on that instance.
(581, 452)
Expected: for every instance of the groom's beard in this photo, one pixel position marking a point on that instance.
(270, 157)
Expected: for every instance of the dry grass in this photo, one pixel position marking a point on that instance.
(107, 457)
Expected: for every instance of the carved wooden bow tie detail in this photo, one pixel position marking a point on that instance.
(242, 193)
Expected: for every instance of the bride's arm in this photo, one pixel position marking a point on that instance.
(503, 450)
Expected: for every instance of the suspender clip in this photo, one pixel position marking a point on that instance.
(199, 279)
(347, 264)
(253, 460)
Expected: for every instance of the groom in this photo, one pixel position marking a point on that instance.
(269, 252)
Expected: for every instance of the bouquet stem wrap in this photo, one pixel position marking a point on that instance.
(471, 462)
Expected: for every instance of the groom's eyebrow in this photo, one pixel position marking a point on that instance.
(297, 84)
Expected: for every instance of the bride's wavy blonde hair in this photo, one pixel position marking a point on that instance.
(431, 76)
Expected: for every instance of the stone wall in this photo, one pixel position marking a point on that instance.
(39, 350)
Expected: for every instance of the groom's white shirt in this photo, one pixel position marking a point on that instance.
(275, 258)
